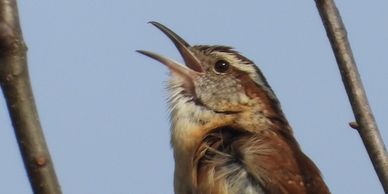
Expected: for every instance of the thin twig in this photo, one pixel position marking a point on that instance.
(367, 126)
(15, 83)
(354, 125)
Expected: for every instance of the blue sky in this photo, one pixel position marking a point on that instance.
(103, 106)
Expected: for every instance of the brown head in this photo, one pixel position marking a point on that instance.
(216, 79)
(215, 84)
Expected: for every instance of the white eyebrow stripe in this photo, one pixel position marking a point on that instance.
(237, 63)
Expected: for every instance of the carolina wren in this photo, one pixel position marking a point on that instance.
(229, 134)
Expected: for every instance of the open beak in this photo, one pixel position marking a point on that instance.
(192, 67)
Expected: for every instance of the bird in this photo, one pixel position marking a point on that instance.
(229, 134)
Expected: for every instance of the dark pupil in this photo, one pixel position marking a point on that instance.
(221, 66)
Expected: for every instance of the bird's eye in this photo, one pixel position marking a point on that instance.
(221, 66)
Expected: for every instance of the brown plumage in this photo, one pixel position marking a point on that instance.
(229, 133)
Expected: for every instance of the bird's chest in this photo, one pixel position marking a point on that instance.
(208, 148)
(216, 164)
(188, 131)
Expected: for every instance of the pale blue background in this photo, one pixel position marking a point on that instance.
(102, 106)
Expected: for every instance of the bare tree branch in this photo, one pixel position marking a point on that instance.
(15, 82)
(366, 124)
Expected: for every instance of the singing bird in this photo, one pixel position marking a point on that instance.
(228, 132)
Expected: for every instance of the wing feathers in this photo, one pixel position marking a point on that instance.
(232, 161)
